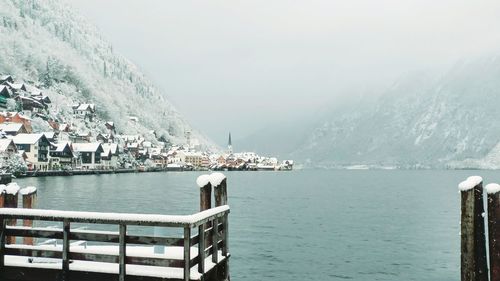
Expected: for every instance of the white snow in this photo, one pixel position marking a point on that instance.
(122, 217)
(203, 180)
(12, 188)
(217, 178)
(2, 188)
(492, 188)
(27, 190)
(470, 183)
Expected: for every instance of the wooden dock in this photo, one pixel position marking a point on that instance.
(125, 256)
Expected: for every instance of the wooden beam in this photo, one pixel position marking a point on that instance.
(201, 249)
(123, 252)
(215, 239)
(66, 249)
(187, 253)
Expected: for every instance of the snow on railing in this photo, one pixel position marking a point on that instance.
(216, 218)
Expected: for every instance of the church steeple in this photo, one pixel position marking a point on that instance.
(229, 145)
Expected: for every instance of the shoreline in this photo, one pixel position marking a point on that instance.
(58, 173)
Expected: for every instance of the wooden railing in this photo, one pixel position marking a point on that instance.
(209, 242)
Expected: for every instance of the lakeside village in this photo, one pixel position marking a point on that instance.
(86, 144)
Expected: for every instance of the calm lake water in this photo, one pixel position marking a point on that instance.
(303, 225)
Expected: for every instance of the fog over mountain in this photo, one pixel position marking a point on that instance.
(421, 121)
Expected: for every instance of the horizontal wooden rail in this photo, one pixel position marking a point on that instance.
(115, 218)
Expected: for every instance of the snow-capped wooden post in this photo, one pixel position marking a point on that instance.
(11, 198)
(203, 183)
(473, 241)
(219, 182)
(29, 199)
(493, 191)
(205, 186)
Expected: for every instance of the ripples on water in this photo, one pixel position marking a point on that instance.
(303, 225)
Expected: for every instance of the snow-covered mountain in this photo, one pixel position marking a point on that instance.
(43, 42)
(452, 121)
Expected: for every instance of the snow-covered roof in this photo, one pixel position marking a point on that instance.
(87, 147)
(112, 147)
(11, 127)
(61, 146)
(4, 88)
(86, 107)
(5, 77)
(28, 138)
(49, 135)
(17, 86)
(4, 144)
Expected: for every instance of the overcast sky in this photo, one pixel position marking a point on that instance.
(233, 65)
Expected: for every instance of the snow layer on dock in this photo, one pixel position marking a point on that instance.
(470, 183)
(492, 188)
(113, 268)
(120, 217)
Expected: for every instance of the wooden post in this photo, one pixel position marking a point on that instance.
(205, 186)
(493, 191)
(201, 249)
(123, 252)
(215, 237)
(29, 199)
(66, 249)
(10, 201)
(203, 182)
(473, 244)
(220, 193)
(187, 253)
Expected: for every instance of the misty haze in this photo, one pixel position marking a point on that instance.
(325, 140)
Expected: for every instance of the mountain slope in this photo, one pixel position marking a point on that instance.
(419, 122)
(44, 42)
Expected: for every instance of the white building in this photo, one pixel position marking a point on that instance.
(36, 147)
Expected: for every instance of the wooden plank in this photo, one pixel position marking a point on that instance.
(93, 236)
(494, 234)
(123, 252)
(187, 253)
(201, 249)
(66, 249)
(38, 233)
(225, 237)
(215, 246)
(18, 250)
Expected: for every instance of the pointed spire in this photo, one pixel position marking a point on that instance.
(229, 145)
